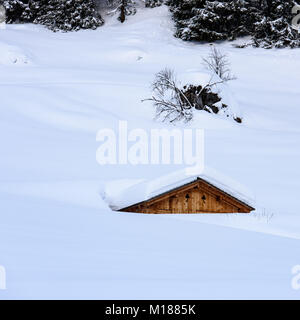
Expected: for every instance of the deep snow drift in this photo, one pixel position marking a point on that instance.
(59, 239)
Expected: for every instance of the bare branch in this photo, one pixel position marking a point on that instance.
(218, 63)
(170, 101)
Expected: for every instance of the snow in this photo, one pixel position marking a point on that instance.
(146, 190)
(12, 55)
(59, 238)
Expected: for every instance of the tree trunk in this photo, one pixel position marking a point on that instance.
(123, 9)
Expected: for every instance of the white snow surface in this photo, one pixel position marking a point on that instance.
(148, 189)
(12, 55)
(58, 237)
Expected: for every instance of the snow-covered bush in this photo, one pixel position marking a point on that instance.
(175, 102)
(65, 15)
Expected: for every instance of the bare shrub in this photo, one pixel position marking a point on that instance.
(170, 101)
(174, 102)
(218, 63)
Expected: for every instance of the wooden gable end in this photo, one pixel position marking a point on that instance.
(196, 197)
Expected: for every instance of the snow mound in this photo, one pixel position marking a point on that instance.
(196, 78)
(137, 192)
(12, 55)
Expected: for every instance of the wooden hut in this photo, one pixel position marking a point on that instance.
(182, 193)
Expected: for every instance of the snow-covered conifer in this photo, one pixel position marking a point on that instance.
(123, 8)
(209, 20)
(153, 3)
(269, 22)
(273, 26)
(65, 15)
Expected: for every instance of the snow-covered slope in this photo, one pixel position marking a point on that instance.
(59, 239)
(12, 55)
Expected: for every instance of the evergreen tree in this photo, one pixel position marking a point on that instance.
(14, 10)
(65, 15)
(153, 3)
(123, 7)
(273, 24)
(267, 21)
(209, 20)
(127, 8)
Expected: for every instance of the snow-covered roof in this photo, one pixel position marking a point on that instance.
(121, 195)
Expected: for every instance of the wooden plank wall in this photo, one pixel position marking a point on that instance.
(197, 197)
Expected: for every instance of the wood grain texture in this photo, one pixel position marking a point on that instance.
(196, 197)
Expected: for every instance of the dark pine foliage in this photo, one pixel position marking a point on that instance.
(153, 3)
(202, 20)
(268, 22)
(65, 15)
(272, 27)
